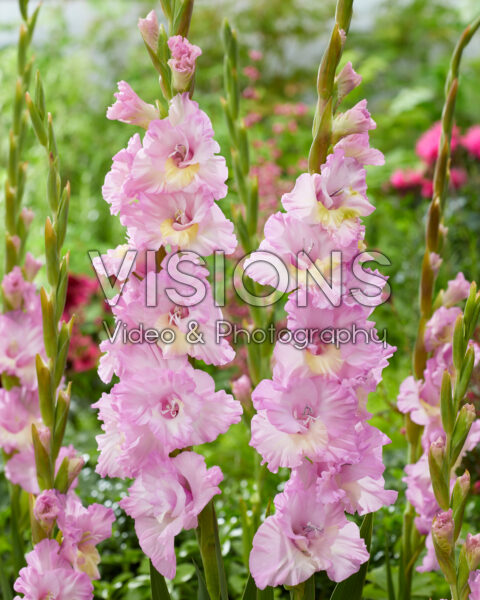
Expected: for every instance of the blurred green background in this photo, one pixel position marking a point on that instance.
(402, 50)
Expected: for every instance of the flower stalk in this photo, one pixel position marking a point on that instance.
(16, 226)
(322, 122)
(54, 402)
(412, 542)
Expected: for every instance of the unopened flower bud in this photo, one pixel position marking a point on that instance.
(435, 262)
(47, 508)
(465, 418)
(16, 241)
(149, 29)
(443, 541)
(31, 267)
(436, 459)
(75, 465)
(355, 120)
(27, 216)
(44, 436)
(472, 547)
(460, 493)
(182, 63)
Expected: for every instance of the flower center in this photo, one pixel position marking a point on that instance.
(177, 313)
(306, 417)
(181, 154)
(170, 407)
(311, 531)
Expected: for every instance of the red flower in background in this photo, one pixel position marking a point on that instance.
(82, 291)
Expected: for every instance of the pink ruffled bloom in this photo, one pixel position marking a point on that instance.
(129, 108)
(335, 198)
(182, 63)
(47, 508)
(19, 410)
(49, 575)
(178, 153)
(302, 537)
(357, 146)
(185, 221)
(172, 410)
(309, 418)
(162, 511)
(82, 529)
(176, 314)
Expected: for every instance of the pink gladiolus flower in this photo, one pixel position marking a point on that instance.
(21, 339)
(347, 80)
(149, 29)
(358, 485)
(162, 511)
(176, 314)
(427, 145)
(354, 120)
(311, 418)
(242, 389)
(113, 189)
(49, 575)
(161, 410)
(18, 292)
(182, 63)
(19, 410)
(336, 198)
(286, 238)
(457, 290)
(471, 141)
(474, 583)
(439, 329)
(179, 153)
(305, 536)
(129, 108)
(185, 221)
(357, 146)
(82, 529)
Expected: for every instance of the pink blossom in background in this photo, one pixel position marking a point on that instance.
(129, 108)
(471, 141)
(252, 73)
(405, 179)
(457, 290)
(458, 177)
(251, 119)
(427, 145)
(255, 55)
